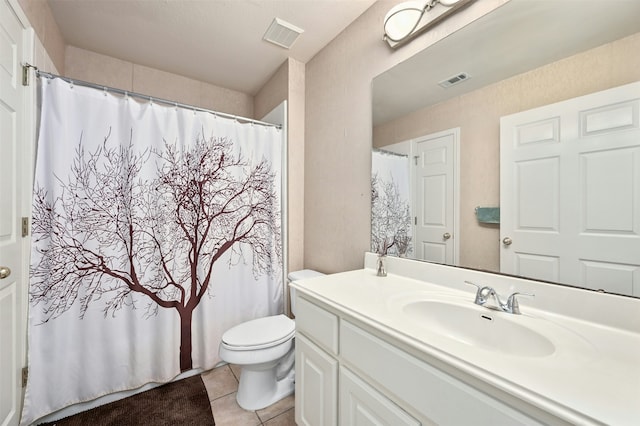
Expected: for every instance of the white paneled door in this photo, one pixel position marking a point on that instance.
(570, 191)
(435, 196)
(12, 135)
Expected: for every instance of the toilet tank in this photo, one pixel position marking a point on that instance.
(296, 276)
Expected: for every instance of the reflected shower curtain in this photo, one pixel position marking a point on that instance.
(391, 231)
(154, 230)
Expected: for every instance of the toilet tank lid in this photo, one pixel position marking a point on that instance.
(304, 274)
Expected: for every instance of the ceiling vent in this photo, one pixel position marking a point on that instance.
(282, 33)
(456, 79)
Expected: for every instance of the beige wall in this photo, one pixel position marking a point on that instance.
(105, 70)
(274, 91)
(478, 116)
(296, 133)
(41, 18)
(288, 84)
(338, 133)
(41, 58)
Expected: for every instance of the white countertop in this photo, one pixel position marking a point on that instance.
(592, 377)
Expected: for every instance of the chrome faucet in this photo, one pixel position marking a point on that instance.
(381, 271)
(484, 294)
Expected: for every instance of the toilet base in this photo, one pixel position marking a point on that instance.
(260, 388)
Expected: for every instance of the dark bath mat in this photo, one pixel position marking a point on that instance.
(181, 403)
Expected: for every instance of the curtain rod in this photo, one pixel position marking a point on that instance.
(385, 152)
(150, 98)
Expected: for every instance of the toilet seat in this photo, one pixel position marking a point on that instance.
(259, 333)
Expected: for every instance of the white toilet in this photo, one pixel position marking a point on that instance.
(264, 349)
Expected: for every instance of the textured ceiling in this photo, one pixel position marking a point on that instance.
(216, 41)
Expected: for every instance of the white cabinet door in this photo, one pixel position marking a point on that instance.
(570, 191)
(316, 385)
(362, 405)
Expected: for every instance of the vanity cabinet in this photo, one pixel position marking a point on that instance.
(322, 384)
(362, 405)
(316, 365)
(349, 374)
(316, 385)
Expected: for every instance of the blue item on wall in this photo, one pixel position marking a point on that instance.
(488, 214)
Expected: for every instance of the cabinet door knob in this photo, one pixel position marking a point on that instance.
(507, 241)
(446, 236)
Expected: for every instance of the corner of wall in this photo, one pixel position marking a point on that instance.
(273, 92)
(296, 119)
(288, 83)
(46, 28)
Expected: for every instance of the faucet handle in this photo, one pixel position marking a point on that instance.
(474, 284)
(512, 302)
(479, 298)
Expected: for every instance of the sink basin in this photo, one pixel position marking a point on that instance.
(480, 327)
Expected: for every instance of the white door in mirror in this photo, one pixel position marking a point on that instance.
(588, 237)
(434, 197)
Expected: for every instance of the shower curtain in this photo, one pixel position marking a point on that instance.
(155, 228)
(391, 230)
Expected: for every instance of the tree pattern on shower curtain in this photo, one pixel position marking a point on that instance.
(131, 241)
(390, 218)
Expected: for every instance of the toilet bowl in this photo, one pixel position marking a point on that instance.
(264, 349)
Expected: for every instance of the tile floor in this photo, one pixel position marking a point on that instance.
(222, 385)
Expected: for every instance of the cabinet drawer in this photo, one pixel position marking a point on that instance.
(361, 404)
(317, 324)
(439, 397)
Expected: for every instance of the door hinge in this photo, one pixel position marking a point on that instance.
(415, 220)
(415, 159)
(25, 376)
(25, 226)
(25, 74)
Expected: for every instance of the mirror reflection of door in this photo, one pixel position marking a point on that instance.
(435, 199)
(570, 191)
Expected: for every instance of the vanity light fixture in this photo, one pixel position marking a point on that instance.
(403, 18)
(402, 21)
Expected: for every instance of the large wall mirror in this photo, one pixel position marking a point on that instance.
(447, 102)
